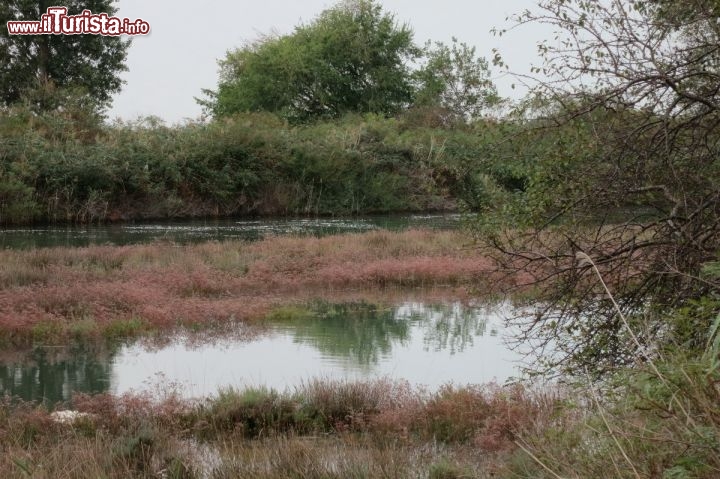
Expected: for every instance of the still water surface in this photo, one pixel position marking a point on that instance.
(211, 229)
(426, 344)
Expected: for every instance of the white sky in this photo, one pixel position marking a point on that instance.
(170, 66)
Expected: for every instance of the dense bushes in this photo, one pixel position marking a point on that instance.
(58, 169)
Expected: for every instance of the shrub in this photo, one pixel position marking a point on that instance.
(253, 412)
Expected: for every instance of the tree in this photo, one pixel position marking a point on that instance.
(627, 182)
(352, 58)
(91, 63)
(455, 80)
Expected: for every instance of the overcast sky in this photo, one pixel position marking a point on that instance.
(170, 66)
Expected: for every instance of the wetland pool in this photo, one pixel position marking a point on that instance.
(426, 344)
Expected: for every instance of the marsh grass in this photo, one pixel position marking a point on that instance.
(641, 427)
(119, 329)
(55, 294)
(486, 417)
(347, 456)
(323, 429)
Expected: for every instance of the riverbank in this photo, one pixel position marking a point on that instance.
(53, 295)
(323, 429)
(59, 171)
(648, 425)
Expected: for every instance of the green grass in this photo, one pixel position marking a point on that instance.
(47, 331)
(120, 329)
(83, 329)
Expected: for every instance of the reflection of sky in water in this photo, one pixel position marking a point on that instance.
(200, 230)
(425, 344)
(428, 345)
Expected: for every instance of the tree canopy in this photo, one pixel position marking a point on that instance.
(351, 59)
(90, 63)
(455, 80)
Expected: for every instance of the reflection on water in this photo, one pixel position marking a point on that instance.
(204, 230)
(366, 333)
(359, 332)
(52, 374)
(424, 344)
(450, 327)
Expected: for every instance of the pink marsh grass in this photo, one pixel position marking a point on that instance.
(163, 285)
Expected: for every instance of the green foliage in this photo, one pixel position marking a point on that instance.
(17, 201)
(353, 58)
(120, 329)
(91, 63)
(349, 59)
(454, 80)
(60, 168)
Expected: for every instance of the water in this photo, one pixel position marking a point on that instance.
(204, 230)
(425, 344)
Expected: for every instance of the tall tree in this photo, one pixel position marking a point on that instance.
(91, 63)
(351, 58)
